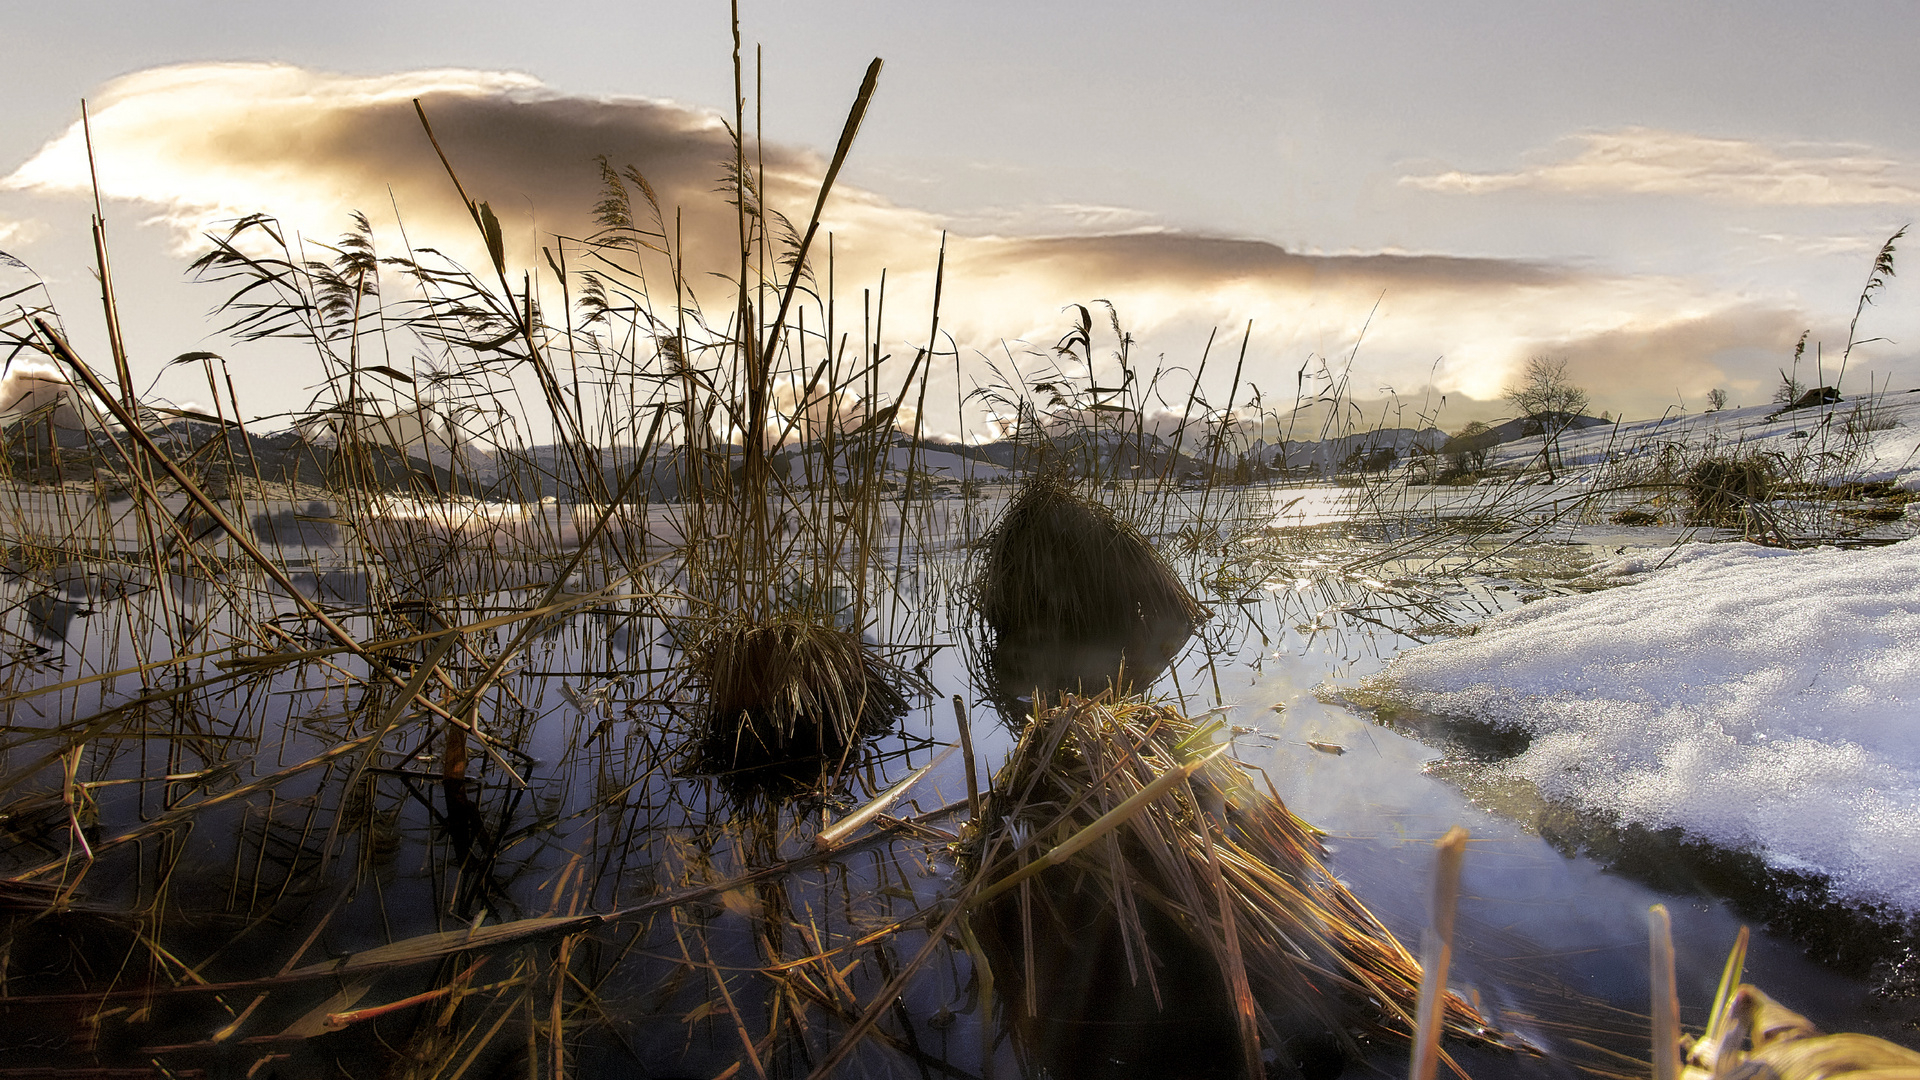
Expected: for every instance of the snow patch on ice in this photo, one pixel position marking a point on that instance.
(1754, 697)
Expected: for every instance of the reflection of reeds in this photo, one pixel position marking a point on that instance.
(1211, 892)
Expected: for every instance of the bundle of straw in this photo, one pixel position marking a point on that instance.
(1063, 573)
(1723, 488)
(791, 689)
(1121, 824)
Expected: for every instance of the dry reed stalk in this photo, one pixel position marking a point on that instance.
(1436, 953)
(1665, 996)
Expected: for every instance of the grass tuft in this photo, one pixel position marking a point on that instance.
(1072, 587)
(1202, 923)
(790, 688)
(1724, 488)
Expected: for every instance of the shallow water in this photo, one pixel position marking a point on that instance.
(1553, 945)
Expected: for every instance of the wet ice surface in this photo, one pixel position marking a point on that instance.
(1554, 945)
(1753, 697)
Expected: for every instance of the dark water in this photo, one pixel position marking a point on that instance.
(587, 807)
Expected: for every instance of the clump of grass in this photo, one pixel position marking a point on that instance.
(1066, 578)
(1724, 489)
(791, 688)
(1137, 894)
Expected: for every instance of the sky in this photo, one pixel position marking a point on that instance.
(1666, 195)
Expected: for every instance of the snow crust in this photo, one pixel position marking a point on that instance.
(1755, 697)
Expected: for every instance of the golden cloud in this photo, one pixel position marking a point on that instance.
(205, 142)
(1648, 161)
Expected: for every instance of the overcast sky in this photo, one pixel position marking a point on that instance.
(1664, 194)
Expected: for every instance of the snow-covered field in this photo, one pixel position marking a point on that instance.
(1886, 447)
(1755, 697)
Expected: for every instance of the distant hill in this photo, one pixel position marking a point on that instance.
(548, 471)
(1513, 431)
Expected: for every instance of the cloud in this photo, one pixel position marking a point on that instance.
(198, 143)
(1648, 161)
(1681, 359)
(205, 142)
(30, 385)
(1805, 245)
(1055, 219)
(15, 233)
(1461, 326)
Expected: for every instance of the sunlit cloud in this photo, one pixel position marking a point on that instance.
(31, 386)
(14, 233)
(195, 144)
(1648, 161)
(1055, 219)
(207, 142)
(1816, 246)
(1454, 326)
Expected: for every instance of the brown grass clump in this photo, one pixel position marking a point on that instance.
(1135, 932)
(791, 689)
(1635, 516)
(1069, 590)
(1723, 488)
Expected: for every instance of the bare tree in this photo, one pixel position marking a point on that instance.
(1466, 452)
(1716, 399)
(1549, 401)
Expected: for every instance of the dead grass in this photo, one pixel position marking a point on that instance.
(791, 688)
(1205, 906)
(1723, 490)
(1063, 573)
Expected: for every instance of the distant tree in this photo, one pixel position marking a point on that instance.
(1466, 452)
(1789, 390)
(1716, 399)
(1549, 401)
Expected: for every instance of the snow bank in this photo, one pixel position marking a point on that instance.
(1752, 696)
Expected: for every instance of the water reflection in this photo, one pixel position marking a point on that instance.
(563, 793)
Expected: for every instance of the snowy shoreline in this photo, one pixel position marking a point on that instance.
(1756, 698)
